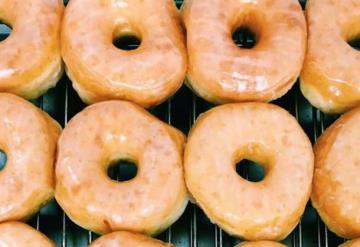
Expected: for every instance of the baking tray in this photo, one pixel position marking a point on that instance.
(193, 229)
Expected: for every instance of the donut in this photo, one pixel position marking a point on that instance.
(100, 71)
(30, 61)
(108, 132)
(353, 243)
(331, 80)
(28, 138)
(16, 234)
(264, 133)
(221, 72)
(260, 244)
(336, 186)
(127, 239)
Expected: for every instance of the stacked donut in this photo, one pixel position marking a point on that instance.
(119, 82)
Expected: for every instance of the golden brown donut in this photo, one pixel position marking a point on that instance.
(266, 134)
(336, 185)
(100, 71)
(353, 243)
(16, 234)
(260, 244)
(28, 136)
(30, 61)
(119, 130)
(127, 239)
(221, 72)
(330, 78)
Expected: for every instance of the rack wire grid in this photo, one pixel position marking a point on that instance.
(193, 229)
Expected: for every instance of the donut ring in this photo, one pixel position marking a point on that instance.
(127, 239)
(260, 244)
(250, 131)
(109, 131)
(221, 72)
(99, 71)
(353, 243)
(331, 80)
(15, 234)
(30, 61)
(28, 136)
(336, 186)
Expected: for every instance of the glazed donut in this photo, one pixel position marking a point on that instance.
(221, 72)
(267, 134)
(336, 185)
(127, 239)
(16, 234)
(118, 130)
(28, 137)
(331, 80)
(260, 244)
(30, 61)
(353, 243)
(100, 71)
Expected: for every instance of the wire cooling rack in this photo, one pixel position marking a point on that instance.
(193, 229)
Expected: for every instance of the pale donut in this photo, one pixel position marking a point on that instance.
(330, 79)
(30, 61)
(104, 133)
(127, 239)
(267, 134)
(16, 234)
(353, 243)
(100, 71)
(28, 136)
(260, 244)
(336, 186)
(221, 72)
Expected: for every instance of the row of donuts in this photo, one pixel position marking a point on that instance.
(106, 132)
(17, 234)
(216, 68)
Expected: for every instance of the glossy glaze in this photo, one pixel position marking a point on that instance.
(30, 57)
(100, 71)
(127, 239)
(28, 137)
(104, 133)
(330, 79)
(221, 72)
(336, 187)
(267, 134)
(260, 244)
(16, 234)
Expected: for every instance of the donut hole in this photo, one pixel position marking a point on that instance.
(122, 170)
(354, 43)
(351, 33)
(178, 4)
(244, 37)
(127, 42)
(3, 160)
(250, 170)
(5, 31)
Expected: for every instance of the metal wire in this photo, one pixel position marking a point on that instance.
(66, 113)
(322, 128)
(193, 222)
(218, 237)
